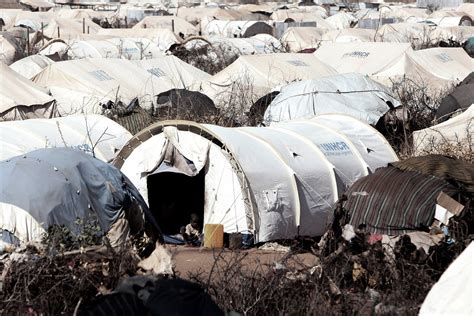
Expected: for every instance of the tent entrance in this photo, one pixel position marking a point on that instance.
(173, 197)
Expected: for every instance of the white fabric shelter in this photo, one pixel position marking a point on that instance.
(457, 130)
(172, 23)
(81, 132)
(86, 85)
(21, 98)
(352, 94)
(288, 190)
(299, 38)
(262, 73)
(179, 74)
(453, 293)
(236, 28)
(30, 66)
(163, 38)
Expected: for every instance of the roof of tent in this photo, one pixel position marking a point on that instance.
(236, 28)
(31, 65)
(21, 98)
(69, 28)
(8, 16)
(9, 51)
(299, 38)
(299, 15)
(33, 20)
(350, 35)
(263, 73)
(290, 202)
(179, 73)
(82, 132)
(85, 84)
(196, 14)
(352, 94)
(467, 8)
(63, 185)
(456, 130)
(456, 33)
(341, 20)
(164, 38)
(445, 297)
(173, 23)
(68, 13)
(257, 44)
(405, 32)
(377, 60)
(439, 67)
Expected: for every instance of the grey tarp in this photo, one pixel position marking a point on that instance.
(56, 186)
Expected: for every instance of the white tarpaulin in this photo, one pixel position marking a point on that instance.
(163, 38)
(352, 94)
(84, 132)
(299, 38)
(172, 23)
(453, 293)
(32, 65)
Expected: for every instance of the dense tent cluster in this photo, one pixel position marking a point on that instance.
(342, 130)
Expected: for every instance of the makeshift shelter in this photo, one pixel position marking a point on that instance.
(173, 23)
(418, 34)
(33, 20)
(380, 61)
(445, 297)
(447, 21)
(184, 103)
(8, 17)
(288, 191)
(352, 94)
(259, 74)
(94, 85)
(394, 202)
(22, 99)
(258, 44)
(163, 38)
(451, 133)
(69, 188)
(341, 20)
(93, 134)
(178, 73)
(30, 66)
(454, 33)
(194, 15)
(458, 100)
(79, 49)
(298, 15)
(296, 39)
(237, 28)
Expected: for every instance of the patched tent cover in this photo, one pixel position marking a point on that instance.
(352, 94)
(64, 185)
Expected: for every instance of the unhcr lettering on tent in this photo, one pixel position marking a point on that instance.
(356, 54)
(335, 148)
(444, 57)
(156, 72)
(100, 75)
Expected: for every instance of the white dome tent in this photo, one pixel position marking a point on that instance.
(289, 190)
(87, 133)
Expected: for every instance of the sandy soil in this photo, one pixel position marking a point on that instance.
(192, 260)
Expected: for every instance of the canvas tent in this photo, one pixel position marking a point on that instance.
(299, 38)
(93, 134)
(445, 297)
(92, 85)
(9, 50)
(163, 38)
(416, 33)
(175, 24)
(352, 94)
(196, 14)
(21, 99)
(350, 35)
(69, 29)
(380, 61)
(31, 65)
(224, 181)
(298, 15)
(33, 20)
(341, 20)
(457, 130)
(179, 74)
(259, 74)
(236, 28)
(65, 185)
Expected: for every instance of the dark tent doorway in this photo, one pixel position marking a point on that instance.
(173, 197)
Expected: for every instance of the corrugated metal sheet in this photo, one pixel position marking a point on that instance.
(394, 202)
(458, 172)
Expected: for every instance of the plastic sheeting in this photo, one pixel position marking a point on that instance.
(92, 134)
(63, 185)
(351, 94)
(288, 190)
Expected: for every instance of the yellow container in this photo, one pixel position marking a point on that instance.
(213, 236)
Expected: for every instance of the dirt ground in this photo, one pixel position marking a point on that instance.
(194, 259)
